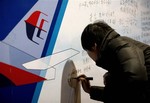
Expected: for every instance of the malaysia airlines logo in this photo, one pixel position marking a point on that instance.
(32, 24)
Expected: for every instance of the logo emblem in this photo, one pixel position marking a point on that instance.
(32, 24)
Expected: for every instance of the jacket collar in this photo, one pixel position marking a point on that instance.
(109, 36)
(106, 39)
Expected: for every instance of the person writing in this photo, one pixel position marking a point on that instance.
(126, 60)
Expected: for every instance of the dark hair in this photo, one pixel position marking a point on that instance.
(94, 33)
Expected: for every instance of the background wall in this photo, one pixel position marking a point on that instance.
(63, 25)
(128, 17)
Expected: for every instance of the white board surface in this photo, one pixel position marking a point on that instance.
(128, 17)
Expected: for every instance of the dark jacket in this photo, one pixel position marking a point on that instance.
(128, 64)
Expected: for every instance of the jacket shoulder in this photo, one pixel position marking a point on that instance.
(117, 43)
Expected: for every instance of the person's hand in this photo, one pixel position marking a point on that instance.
(85, 83)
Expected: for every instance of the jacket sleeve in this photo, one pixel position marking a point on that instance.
(97, 93)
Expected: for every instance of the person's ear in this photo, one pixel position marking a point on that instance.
(94, 48)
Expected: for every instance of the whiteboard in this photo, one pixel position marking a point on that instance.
(128, 17)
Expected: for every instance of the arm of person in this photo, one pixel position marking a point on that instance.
(95, 92)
